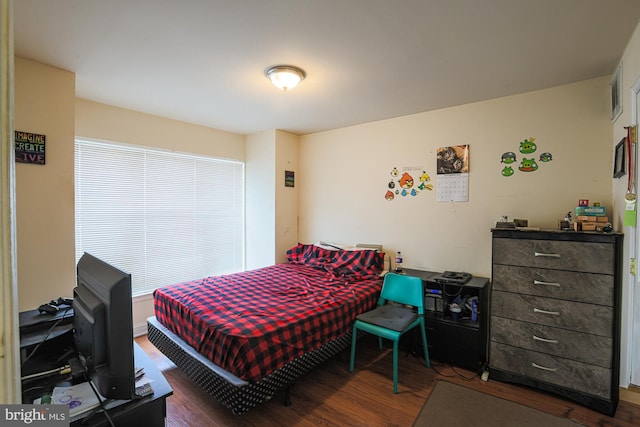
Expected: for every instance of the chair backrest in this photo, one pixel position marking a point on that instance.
(402, 289)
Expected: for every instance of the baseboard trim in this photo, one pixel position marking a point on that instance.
(140, 329)
(631, 394)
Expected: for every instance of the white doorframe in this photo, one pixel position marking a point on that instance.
(9, 340)
(633, 301)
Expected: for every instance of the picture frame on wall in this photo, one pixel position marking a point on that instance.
(289, 179)
(616, 93)
(619, 159)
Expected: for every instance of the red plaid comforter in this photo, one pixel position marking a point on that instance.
(254, 322)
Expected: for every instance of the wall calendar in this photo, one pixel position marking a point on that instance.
(453, 174)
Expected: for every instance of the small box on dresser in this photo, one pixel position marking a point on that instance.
(555, 313)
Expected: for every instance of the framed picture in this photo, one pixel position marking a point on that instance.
(289, 179)
(616, 93)
(619, 159)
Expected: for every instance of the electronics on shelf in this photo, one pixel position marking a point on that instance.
(454, 277)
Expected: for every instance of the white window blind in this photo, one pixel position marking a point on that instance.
(161, 216)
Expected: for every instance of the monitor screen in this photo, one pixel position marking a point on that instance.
(103, 327)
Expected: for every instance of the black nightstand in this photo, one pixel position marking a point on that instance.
(462, 341)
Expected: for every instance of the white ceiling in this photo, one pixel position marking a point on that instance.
(202, 61)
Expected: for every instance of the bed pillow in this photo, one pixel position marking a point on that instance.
(359, 263)
(301, 254)
(341, 262)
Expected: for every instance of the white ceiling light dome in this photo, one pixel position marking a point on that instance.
(285, 77)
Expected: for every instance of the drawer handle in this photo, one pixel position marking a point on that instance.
(536, 338)
(540, 282)
(553, 313)
(542, 254)
(544, 368)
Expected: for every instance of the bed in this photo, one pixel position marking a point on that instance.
(245, 336)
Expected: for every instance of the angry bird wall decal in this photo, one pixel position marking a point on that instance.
(508, 157)
(507, 171)
(406, 181)
(546, 157)
(528, 165)
(404, 184)
(528, 146)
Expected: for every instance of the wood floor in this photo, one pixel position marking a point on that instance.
(330, 395)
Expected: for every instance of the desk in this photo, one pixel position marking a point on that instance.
(148, 411)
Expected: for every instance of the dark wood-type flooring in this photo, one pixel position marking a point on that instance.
(330, 395)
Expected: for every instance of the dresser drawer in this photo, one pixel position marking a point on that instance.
(576, 316)
(582, 287)
(560, 255)
(587, 348)
(590, 379)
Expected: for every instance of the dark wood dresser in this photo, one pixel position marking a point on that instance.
(555, 313)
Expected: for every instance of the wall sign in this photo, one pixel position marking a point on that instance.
(30, 147)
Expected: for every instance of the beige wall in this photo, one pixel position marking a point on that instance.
(44, 104)
(260, 199)
(286, 233)
(344, 174)
(272, 208)
(105, 122)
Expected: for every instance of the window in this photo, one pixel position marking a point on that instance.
(164, 217)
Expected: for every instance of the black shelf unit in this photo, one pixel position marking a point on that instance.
(462, 341)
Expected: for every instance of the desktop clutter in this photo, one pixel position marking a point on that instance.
(52, 370)
(55, 306)
(523, 224)
(456, 307)
(587, 218)
(459, 306)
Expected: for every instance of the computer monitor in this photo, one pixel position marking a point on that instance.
(103, 327)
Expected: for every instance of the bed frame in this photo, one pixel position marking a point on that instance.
(236, 394)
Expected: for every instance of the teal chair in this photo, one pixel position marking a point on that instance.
(391, 318)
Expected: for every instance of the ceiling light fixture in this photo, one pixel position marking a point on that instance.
(285, 77)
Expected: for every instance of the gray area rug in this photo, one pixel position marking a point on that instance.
(451, 405)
